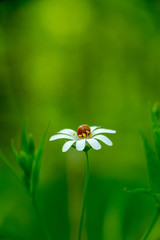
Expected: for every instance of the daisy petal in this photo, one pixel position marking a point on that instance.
(94, 143)
(104, 139)
(59, 136)
(67, 131)
(67, 146)
(93, 128)
(102, 130)
(80, 144)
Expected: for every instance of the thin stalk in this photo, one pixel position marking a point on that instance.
(84, 199)
(48, 237)
(10, 167)
(145, 236)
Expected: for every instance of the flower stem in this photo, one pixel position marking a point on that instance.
(48, 237)
(84, 199)
(145, 236)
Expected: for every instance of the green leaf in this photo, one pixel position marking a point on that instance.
(24, 141)
(135, 190)
(25, 162)
(155, 113)
(153, 167)
(26, 181)
(31, 146)
(156, 198)
(15, 153)
(37, 164)
(5, 160)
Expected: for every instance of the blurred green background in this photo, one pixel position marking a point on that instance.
(73, 62)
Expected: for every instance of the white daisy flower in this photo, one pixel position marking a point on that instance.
(84, 136)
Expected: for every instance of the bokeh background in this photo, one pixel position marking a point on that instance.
(73, 62)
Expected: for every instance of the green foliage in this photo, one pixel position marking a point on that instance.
(136, 190)
(153, 154)
(153, 167)
(155, 114)
(37, 164)
(152, 157)
(5, 160)
(29, 160)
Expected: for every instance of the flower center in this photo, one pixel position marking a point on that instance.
(83, 131)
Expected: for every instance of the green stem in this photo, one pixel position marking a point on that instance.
(10, 167)
(84, 199)
(48, 237)
(145, 236)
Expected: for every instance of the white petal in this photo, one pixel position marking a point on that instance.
(104, 139)
(94, 143)
(68, 131)
(80, 144)
(67, 145)
(59, 136)
(102, 130)
(93, 128)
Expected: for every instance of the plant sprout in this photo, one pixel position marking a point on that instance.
(29, 161)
